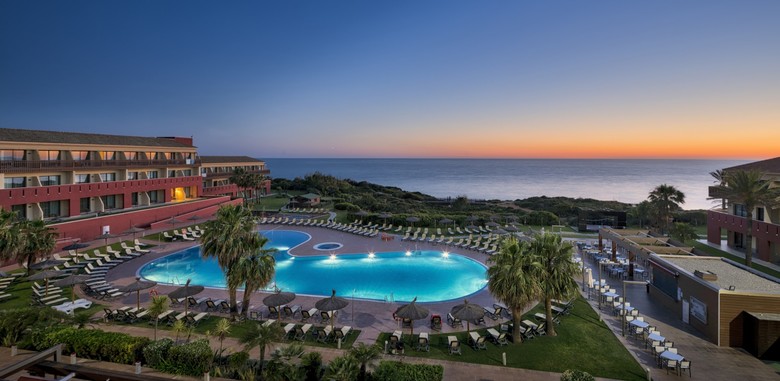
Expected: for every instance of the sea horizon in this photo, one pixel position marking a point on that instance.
(624, 180)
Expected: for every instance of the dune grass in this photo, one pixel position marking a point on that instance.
(583, 343)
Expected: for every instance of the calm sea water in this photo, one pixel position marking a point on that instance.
(509, 179)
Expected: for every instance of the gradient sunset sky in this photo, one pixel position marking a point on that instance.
(602, 79)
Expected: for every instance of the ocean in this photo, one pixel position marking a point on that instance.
(627, 181)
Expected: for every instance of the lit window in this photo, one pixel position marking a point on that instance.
(49, 155)
(11, 154)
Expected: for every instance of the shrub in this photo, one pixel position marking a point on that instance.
(397, 371)
(93, 344)
(346, 206)
(576, 375)
(191, 359)
(157, 352)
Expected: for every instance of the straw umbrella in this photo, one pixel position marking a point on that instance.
(413, 312)
(75, 246)
(45, 276)
(445, 221)
(384, 216)
(185, 292)
(173, 221)
(332, 303)
(511, 228)
(72, 281)
(412, 220)
(106, 236)
(47, 264)
(468, 312)
(278, 299)
(492, 224)
(133, 230)
(137, 286)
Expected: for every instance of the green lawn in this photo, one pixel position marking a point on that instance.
(270, 203)
(583, 343)
(21, 290)
(719, 253)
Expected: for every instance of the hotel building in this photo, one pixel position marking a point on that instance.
(85, 185)
(730, 219)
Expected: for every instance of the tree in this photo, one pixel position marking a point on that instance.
(720, 179)
(260, 335)
(283, 364)
(641, 212)
(683, 232)
(158, 306)
(511, 279)
(221, 330)
(37, 240)
(227, 238)
(10, 242)
(555, 272)
(665, 199)
(748, 188)
(365, 355)
(255, 270)
(343, 368)
(311, 362)
(241, 178)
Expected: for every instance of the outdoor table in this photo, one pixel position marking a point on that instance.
(640, 324)
(609, 294)
(627, 308)
(667, 355)
(655, 337)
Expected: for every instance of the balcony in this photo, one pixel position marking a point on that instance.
(212, 175)
(23, 166)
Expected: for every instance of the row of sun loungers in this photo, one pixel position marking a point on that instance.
(188, 234)
(307, 210)
(367, 231)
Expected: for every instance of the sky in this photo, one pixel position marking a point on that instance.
(454, 79)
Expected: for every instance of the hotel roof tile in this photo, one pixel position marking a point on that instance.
(38, 136)
(228, 159)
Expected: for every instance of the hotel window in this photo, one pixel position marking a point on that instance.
(167, 155)
(109, 202)
(49, 155)
(11, 154)
(20, 210)
(187, 172)
(132, 175)
(50, 209)
(50, 180)
(131, 155)
(171, 173)
(155, 197)
(15, 182)
(80, 155)
(152, 175)
(107, 155)
(108, 177)
(82, 179)
(134, 198)
(188, 155)
(759, 214)
(84, 205)
(739, 210)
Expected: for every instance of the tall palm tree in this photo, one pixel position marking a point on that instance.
(556, 272)
(365, 355)
(221, 330)
(10, 242)
(260, 335)
(240, 177)
(37, 240)
(255, 270)
(158, 306)
(751, 190)
(665, 199)
(227, 238)
(511, 279)
(720, 179)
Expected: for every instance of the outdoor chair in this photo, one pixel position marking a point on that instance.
(685, 365)
(671, 364)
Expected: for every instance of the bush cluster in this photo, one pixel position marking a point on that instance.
(190, 359)
(576, 375)
(91, 343)
(398, 371)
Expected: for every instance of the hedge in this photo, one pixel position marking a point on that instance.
(93, 344)
(398, 371)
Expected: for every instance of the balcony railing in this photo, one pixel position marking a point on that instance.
(211, 175)
(19, 166)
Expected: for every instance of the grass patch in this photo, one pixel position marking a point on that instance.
(271, 203)
(720, 253)
(583, 343)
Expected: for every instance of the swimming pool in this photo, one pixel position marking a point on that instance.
(394, 276)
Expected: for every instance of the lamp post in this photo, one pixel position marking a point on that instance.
(625, 296)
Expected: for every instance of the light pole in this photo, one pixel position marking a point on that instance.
(625, 296)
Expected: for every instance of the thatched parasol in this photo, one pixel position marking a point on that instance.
(333, 303)
(137, 286)
(185, 292)
(468, 312)
(75, 246)
(413, 312)
(72, 281)
(278, 299)
(45, 276)
(47, 264)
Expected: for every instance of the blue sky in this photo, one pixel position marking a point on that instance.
(402, 78)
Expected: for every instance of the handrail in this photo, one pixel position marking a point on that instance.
(27, 165)
(30, 361)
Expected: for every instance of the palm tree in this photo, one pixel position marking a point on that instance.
(665, 199)
(221, 330)
(9, 235)
(343, 368)
(751, 190)
(158, 306)
(254, 271)
(365, 355)
(311, 362)
(260, 335)
(282, 365)
(511, 279)
(229, 237)
(241, 178)
(178, 327)
(683, 232)
(555, 273)
(37, 240)
(720, 179)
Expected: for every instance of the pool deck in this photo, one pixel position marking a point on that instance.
(370, 316)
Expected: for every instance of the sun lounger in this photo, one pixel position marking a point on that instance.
(290, 327)
(499, 338)
(169, 237)
(291, 311)
(325, 316)
(139, 243)
(163, 317)
(453, 321)
(193, 321)
(477, 340)
(300, 332)
(453, 344)
(306, 315)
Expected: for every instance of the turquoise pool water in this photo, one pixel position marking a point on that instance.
(393, 276)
